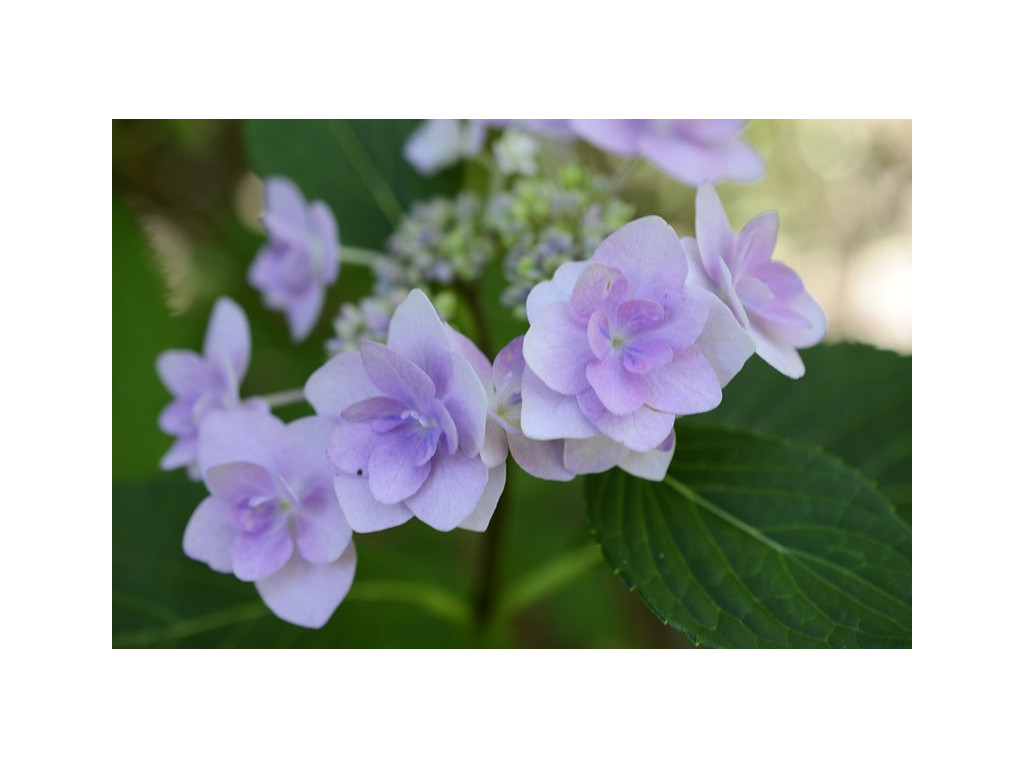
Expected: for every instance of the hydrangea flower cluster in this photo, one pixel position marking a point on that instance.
(629, 329)
(413, 417)
(439, 242)
(766, 297)
(272, 517)
(301, 258)
(204, 384)
(620, 346)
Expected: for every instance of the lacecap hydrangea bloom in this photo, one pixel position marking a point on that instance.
(766, 297)
(619, 346)
(203, 384)
(272, 517)
(301, 257)
(691, 151)
(413, 417)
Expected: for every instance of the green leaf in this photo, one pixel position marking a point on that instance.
(355, 166)
(854, 401)
(410, 588)
(753, 541)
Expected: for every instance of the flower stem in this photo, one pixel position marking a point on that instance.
(471, 293)
(362, 256)
(625, 171)
(486, 603)
(288, 397)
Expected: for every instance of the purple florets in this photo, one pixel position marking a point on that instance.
(692, 151)
(413, 416)
(767, 298)
(301, 258)
(204, 384)
(272, 517)
(619, 346)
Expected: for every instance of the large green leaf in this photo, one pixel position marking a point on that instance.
(355, 166)
(854, 401)
(753, 541)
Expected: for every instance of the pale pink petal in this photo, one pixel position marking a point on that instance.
(307, 594)
(548, 415)
(417, 334)
(620, 391)
(651, 465)
(257, 555)
(715, 238)
(210, 535)
(557, 349)
(779, 354)
(495, 447)
(451, 491)
(480, 517)
(339, 383)
(285, 210)
(303, 310)
(641, 430)
(228, 342)
(238, 435)
(393, 471)
(618, 136)
(541, 458)
(364, 513)
(756, 242)
(559, 288)
(181, 454)
(648, 253)
(723, 342)
(466, 401)
(686, 385)
(300, 452)
(184, 373)
(321, 530)
(593, 455)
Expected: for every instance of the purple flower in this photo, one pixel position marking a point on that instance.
(272, 517)
(503, 384)
(413, 418)
(619, 346)
(767, 298)
(691, 151)
(438, 144)
(204, 384)
(301, 258)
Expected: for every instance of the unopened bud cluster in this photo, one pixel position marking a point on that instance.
(541, 223)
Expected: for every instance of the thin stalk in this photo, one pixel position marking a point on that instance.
(288, 397)
(362, 256)
(486, 603)
(471, 293)
(625, 171)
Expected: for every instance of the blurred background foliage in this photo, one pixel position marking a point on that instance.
(185, 226)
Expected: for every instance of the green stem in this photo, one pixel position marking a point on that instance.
(362, 256)
(485, 606)
(287, 397)
(471, 293)
(625, 171)
(548, 579)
